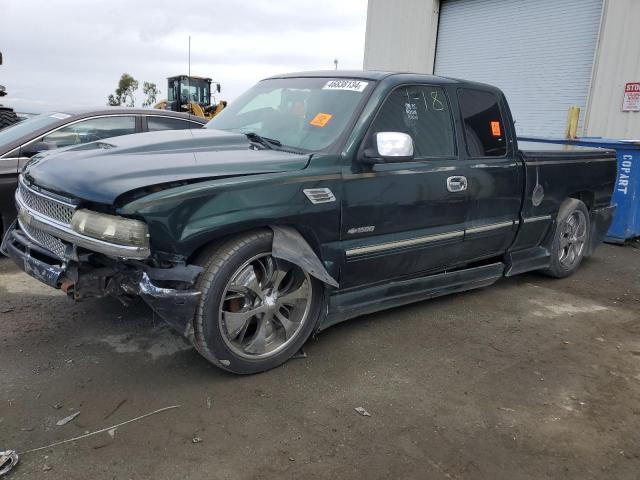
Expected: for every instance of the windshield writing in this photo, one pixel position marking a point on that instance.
(304, 113)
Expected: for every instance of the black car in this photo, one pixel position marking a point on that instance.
(59, 129)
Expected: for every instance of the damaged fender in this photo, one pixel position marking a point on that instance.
(178, 307)
(289, 245)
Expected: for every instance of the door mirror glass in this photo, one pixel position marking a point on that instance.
(390, 147)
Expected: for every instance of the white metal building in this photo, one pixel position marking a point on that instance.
(546, 55)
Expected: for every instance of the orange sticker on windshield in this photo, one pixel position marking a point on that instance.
(495, 129)
(321, 119)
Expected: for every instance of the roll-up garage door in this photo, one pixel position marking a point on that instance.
(540, 53)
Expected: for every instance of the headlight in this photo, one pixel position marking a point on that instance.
(111, 228)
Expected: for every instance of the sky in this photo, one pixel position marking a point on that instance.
(63, 53)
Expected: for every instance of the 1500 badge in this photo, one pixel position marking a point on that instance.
(367, 229)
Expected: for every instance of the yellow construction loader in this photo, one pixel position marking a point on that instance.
(193, 95)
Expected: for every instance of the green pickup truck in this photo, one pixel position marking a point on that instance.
(313, 198)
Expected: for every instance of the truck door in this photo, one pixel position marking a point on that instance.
(492, 175)
(399, 219)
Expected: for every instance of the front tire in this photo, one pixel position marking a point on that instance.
(7, 118)
(256, 311)
(570, 238)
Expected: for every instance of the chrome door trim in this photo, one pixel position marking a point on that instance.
(536, 219)
(404, 243)
(13, 158)
(434, 238)
(170, 116)
(492, 226)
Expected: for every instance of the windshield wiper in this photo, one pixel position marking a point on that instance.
(264, 141)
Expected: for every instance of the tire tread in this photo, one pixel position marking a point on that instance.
(212, 259)
(566, 209)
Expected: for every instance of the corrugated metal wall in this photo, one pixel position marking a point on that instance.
(401, 35)
(540, 53)
(617, 62)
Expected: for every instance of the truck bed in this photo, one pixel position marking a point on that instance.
(554, 172)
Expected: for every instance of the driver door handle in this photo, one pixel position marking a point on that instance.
(457, 184)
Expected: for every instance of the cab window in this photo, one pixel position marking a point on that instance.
(91, 130)
(483, 124)
(155, 124)
(422, 112)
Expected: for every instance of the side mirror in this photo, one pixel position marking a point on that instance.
(37, 147)
(218, 87)
(390, 147)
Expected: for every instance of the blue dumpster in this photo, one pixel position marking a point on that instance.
(626, 222)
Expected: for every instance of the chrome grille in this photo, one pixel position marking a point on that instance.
(45, 206)
(45, 240)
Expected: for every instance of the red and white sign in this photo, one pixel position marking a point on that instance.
(631, 100)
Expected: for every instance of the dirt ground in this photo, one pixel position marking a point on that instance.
(530, 378)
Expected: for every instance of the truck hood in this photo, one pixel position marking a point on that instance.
(101, 171)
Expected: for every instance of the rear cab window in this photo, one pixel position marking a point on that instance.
(484, 127)
(423, 113)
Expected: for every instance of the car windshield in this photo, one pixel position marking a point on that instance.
(33, 124)
(300, 113)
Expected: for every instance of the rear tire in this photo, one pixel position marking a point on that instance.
(570, 239)
(256, 311)
(8, 117)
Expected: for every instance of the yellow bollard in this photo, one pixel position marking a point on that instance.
(573, 116)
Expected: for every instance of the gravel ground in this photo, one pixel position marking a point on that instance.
(530, 378)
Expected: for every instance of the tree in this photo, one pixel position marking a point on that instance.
(151, 92)
(124, 93)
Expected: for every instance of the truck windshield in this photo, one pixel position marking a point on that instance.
(301, 113)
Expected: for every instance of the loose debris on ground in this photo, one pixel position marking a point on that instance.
(68, 419)
(9, 458)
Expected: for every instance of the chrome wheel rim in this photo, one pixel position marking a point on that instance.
(572, 239)
(264, 306)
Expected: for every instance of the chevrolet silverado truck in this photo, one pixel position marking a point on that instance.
(313, 198)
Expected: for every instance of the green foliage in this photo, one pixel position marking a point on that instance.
(151, 92)
(127, 86)
(124, 94)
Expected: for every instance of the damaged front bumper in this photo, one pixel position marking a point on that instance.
(119, 279)
(176, 307)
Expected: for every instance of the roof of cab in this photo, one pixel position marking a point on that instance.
(376, 75)
(360, 74)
